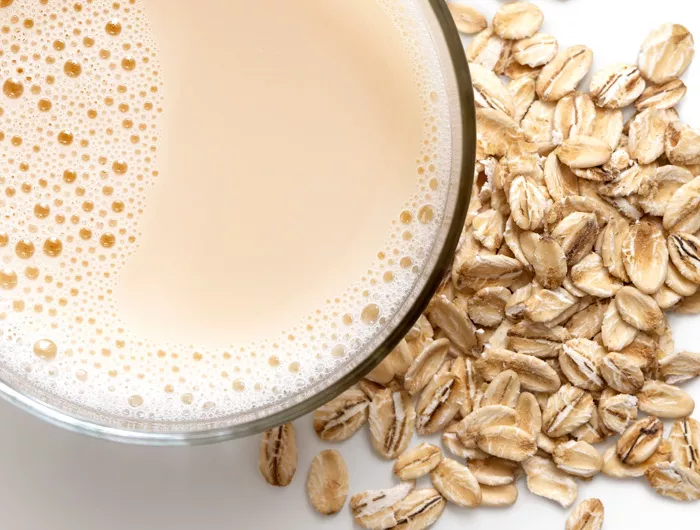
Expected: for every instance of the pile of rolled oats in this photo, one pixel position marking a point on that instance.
(548, 336)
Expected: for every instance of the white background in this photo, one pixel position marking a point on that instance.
(51, 479)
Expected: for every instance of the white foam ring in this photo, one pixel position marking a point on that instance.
(101, 364)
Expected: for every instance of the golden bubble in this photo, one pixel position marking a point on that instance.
(10, 191)
(8, 279)
(24, 249)
(113, 27)
(85, 233)
(53, 247)
(88, 206)
(347, 319)
(104, 54)
(388, 277)
(406, 262)
(89, 42)
(46, 349)
(69, 176)
(72, 68)
(169, 389)
(44, 105)
(6, 3)
(370, 314)
(187, 399)
(28, 23)
(13, 88)
(273, 360)
(117, 206)
(294, 367)
(135, 400)
(50, 79)
(120, 167)
(42, 210)
(127, 123)
(426, 214)
(406, 217)
(107, 240)
(18, 306)
(65, 138)
(4, 239)
(128, 63)
(31, 272)
(59, 45)
(16, 141)
(238, 385)
(81, 375)
(92, 114)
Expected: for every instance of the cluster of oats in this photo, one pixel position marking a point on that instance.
(548, 336)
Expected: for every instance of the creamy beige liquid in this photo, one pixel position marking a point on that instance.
(207, 207)
(289, 144)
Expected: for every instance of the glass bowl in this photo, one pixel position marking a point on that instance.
(447, 47)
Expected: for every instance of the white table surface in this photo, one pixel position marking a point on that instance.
(52, 479)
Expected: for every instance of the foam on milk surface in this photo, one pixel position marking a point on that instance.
(84, 111)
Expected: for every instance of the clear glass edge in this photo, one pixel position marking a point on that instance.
(442, 263)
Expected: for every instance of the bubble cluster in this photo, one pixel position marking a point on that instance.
(80, 113)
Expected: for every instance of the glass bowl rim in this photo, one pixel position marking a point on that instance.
(304, 406)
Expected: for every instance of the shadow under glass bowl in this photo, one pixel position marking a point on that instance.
(447, 46)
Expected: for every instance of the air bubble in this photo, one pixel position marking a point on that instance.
(107, 240)
(426, 213)
(8, 279)
(53, 247)
(113, 27)
(72, 68)
(13, 88)
(42, 210)
(45, 349)
(128, 63)
(24, 249)
(65, 138)
(370, 314)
